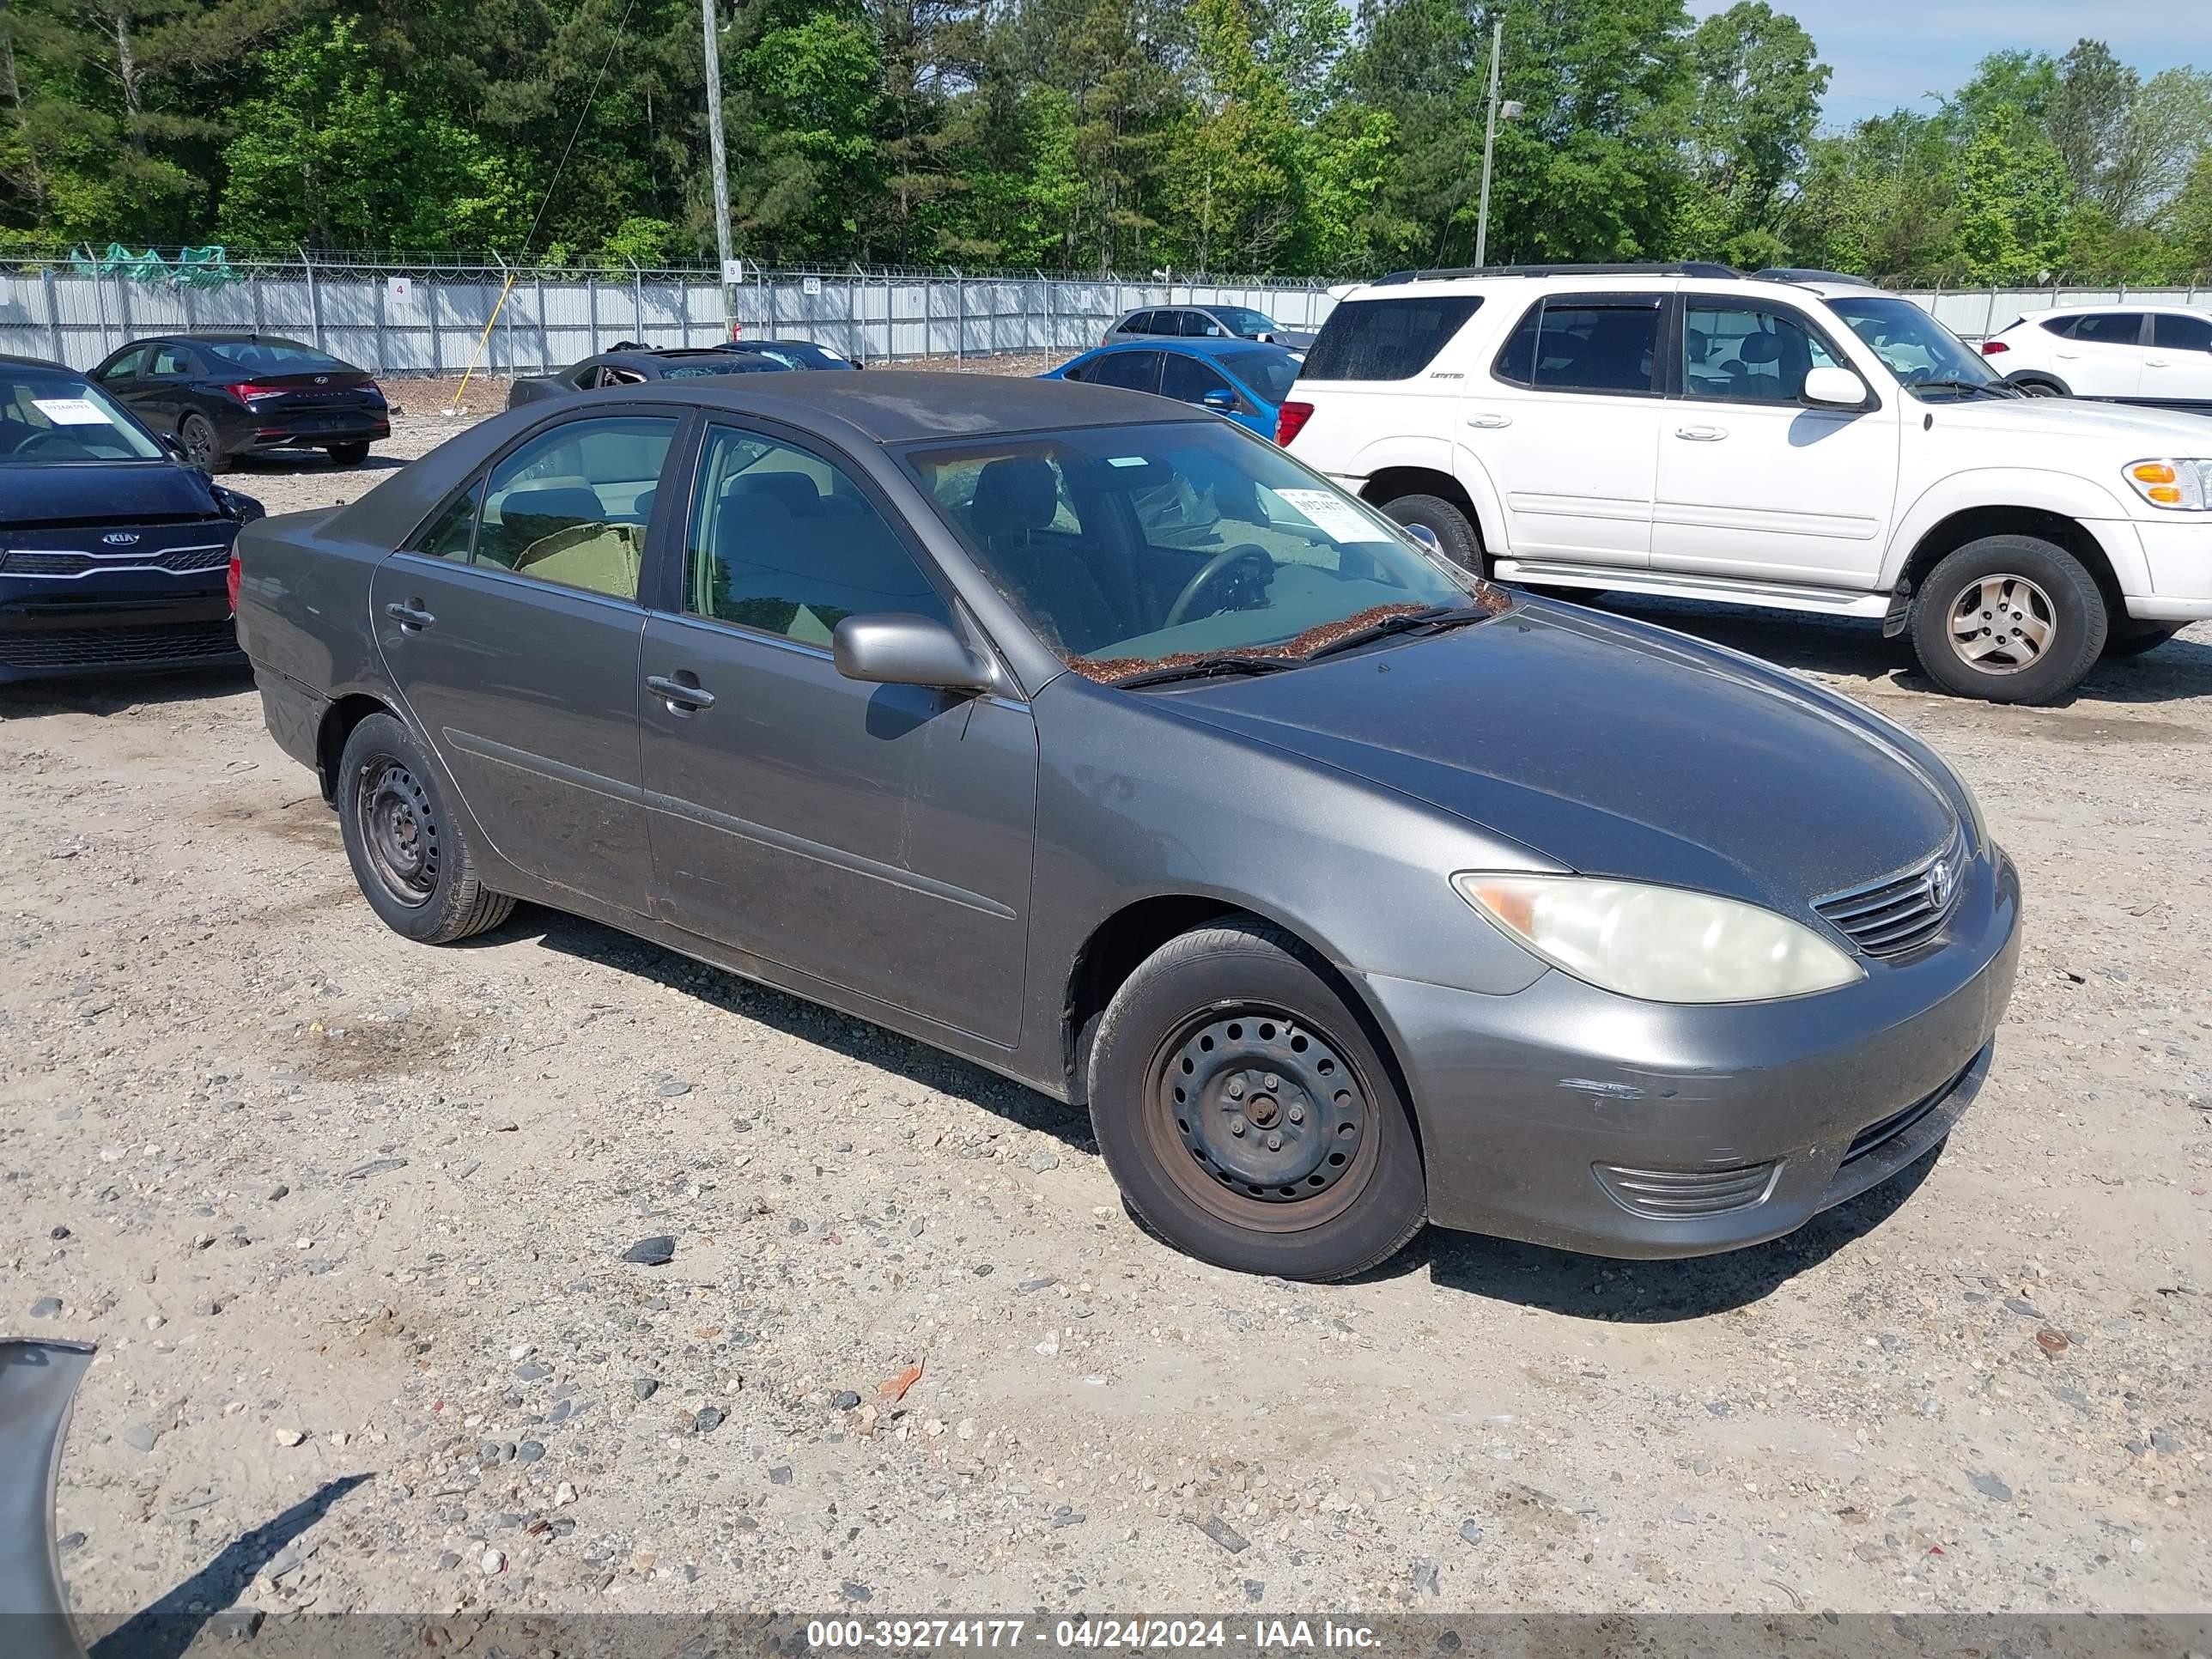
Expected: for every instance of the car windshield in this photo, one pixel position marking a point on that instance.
(49, 417)
(799, 354)
(278, 357)
(1916, 348)
(1271, 373)
(1243, 320)
(1129, 549)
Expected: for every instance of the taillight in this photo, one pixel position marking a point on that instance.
(370, 387)
(1291, 420)
(245, 391)
(230, 582)
(1991, 348)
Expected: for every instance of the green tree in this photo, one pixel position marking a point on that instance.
(1755, 101)
(2013, 200)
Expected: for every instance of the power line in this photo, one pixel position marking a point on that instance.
(576, 132)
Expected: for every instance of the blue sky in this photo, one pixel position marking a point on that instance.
(1888, 52)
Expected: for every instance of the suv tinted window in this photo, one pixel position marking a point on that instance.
(2110, 327)
(1386, 339)
(570, 505)
(2176, 332)
(2063, 327)
(783, 541)
(1585, 343)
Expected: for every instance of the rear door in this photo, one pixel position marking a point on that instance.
(2102, 355)
(1752, 482)
(510, 624)
(2177, 369)
(1135, 371)
(165, 388)
(1566, 422)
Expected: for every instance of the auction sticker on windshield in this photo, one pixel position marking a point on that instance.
(1333, 516)
(71, 411)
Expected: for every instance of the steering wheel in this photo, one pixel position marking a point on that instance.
(1216, 567)
(39, 440)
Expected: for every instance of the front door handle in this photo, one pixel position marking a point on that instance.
(410, 614)
(1702, 434)
(2156, 363)
(1490, 421)
(682, 696)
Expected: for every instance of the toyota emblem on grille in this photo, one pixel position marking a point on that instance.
(121, 538)
(1939, 886)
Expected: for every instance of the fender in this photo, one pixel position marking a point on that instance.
(1489, 500)
(2101, 514)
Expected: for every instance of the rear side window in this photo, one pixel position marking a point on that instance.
(570, 505)
(2063, 327)
(2110, 328)
(1139, 371)
(2176, 332)
(1581, 342)
(1387, 339)
(1142, 322)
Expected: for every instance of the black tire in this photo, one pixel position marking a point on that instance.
(2039, 386)
(2140, 638)
(352, 454)
(1340, 1190)
(1454, 531)
(201, 447)
(411, 858)
(2042, 629)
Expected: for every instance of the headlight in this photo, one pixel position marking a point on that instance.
(1661, 944)
(2179, 486)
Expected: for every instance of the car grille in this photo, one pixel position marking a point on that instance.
(1679, 1194)
(118, 647)
(45, 562)
(1891, 917)
(1876, 1135)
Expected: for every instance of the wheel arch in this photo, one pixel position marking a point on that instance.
(1385, 484)
(344, 713)
(2073, 513)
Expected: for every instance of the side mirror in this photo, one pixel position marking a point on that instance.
(897, 647)
(1831, 388)
(1220, 397)
(1425, 536)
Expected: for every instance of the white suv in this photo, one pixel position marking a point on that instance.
(1812, 445)
(2129, 354)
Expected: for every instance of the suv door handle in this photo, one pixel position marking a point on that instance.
(1701, 434)
(681, 696)
(1490, 421)
(411, 616)
(2156, 363)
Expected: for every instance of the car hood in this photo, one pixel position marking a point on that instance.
(123, 492)
(1636, 754)
(2142, 431)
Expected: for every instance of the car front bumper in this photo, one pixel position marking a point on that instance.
(1567, 1116)
(2178, 552)
(118, 633)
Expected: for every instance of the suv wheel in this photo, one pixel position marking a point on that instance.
(1455, 531)
(412, 861)
(2038, 386)
(1247, 1117)
(2009, 618)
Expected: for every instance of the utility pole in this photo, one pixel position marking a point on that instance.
(721, 160)
(1488, 138)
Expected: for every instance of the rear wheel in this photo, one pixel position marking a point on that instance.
(1454, 531)
(2009, 618)
(200, 447)
(2144, 636)
(352, 454)
(1247, 1115)
(412, 861)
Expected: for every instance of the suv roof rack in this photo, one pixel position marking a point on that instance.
(1705, 268)
(1807, 274)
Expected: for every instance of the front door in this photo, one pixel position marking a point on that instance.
(1752, 482)
(1566, 422)
(510, 626)
(876, 838)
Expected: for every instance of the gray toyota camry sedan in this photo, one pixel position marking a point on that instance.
(1086, 736)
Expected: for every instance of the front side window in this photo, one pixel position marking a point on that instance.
(1188, 381)
(1746, 354)
(1125, 548)
(2173, 331)
(1271, 371)
(1386, 339)
(570, 506)
(1920, 351)
(49, 416)
(783, 541)
(1583, 343)
(126, 365)
(1244, 322)
(1198, 325)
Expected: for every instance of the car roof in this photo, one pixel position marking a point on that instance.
(1534, 280)
(15, 361)
(2190, 306)
(1201, 346)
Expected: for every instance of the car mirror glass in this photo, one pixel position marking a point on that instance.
(896, 647)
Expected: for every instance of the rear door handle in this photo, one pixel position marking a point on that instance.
(2156, 363)
(679, 696)
(411, 616)
(1490, 421)
(1702, 434)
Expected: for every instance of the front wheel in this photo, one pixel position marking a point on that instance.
(1247, 1115)
(2009, 618)
(1455, 531)
(413, 861)
(352, 454)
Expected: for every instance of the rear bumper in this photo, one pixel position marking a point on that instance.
(248, 433)
(100, 636)
(1566, 1116)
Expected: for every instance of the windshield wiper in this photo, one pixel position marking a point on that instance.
(1995, 388)
(1207, 668)
(1437, 617)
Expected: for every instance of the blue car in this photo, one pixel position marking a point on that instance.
(1241, 378)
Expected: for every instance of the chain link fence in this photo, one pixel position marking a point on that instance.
(435, 320)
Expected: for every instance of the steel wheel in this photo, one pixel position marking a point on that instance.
(1261, 1118)
(399, 832)
(2002, 624)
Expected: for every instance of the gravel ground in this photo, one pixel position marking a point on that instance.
(349, 1217)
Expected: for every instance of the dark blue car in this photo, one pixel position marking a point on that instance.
(1241, 379)
(114, 553)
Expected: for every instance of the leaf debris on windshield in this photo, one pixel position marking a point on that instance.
(1108, 670)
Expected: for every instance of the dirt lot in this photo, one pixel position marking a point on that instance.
(348, 1215)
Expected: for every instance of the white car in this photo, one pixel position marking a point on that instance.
(1810, 445)
(2127, 354)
